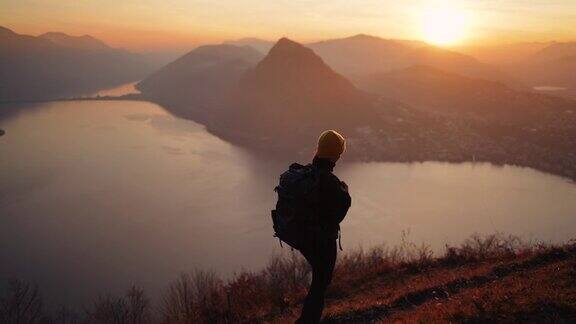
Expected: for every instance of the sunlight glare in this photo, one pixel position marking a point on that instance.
(443, 26)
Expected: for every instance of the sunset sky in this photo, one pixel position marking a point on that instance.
(181, 24)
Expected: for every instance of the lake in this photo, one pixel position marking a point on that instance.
(97, 195)
(549, 88)
(121, 90)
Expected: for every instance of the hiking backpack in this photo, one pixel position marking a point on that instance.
(295, 218)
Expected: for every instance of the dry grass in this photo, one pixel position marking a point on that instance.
(477, 281)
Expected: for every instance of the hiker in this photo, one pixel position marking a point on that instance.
(312, 202)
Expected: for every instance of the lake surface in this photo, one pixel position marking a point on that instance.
(120, 90)
(95, 196)
(549, 88)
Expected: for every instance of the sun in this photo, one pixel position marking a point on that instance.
(444, 26)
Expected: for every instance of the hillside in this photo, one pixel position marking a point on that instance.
(85, 42)
(195, 84)
(492, 278)
(297, 95)
(543, 64)
(503, 54)
(263, 46)
(434, 90)
(56, 65)
(554, 66)
(556, 51)
(534, 64)
(513, 287)
(362, 55)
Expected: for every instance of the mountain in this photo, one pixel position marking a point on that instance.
(504, 54)
(360, 55)
(435, 90)
(292, 94)
(261, 45)
(56, 65)
(159, 58)
(556, 51)
(278, 103)
(199, 79)
(85, 42)
(553, 66)
(489, 120)
(281, 105)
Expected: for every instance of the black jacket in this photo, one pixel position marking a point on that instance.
(334, 199)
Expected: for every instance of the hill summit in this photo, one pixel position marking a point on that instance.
(297, 95)
(293, 70)
(195, 84)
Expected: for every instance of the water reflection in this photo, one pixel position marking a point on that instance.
(120, 90)
(549, 88)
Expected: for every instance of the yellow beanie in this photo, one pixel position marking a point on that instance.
(330, 145)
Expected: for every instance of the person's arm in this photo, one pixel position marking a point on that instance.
(345, 201)
(334, 199)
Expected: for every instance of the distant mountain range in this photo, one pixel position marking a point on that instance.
(503, 54)
(85, 42)
(358, 56)
(434, 90)
(55, 65)
(554, 65)
(521, 66)
(395, 100)
(279, 104)
(556, 51)
(545, 65)
(263, 46)
(361, 55)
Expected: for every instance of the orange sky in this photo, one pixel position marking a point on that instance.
(181, 24)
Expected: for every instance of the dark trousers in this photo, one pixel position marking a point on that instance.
(321, 257)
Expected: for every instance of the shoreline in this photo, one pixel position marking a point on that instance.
(561, 169)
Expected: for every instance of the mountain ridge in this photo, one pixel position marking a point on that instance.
(77, 66)
(435, 90)
(195, 84)
(79, 42)
(279, 105)
(296, 93)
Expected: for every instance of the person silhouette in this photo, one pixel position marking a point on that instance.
(332, 206)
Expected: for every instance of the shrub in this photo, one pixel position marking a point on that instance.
(22, 303)
(194, 297)
(478, 248)
(132, 308)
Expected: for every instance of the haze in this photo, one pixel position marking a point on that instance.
(141, 142)
(176, 25)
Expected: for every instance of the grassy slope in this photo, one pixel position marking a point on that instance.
(536, 286)
(492, 278)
